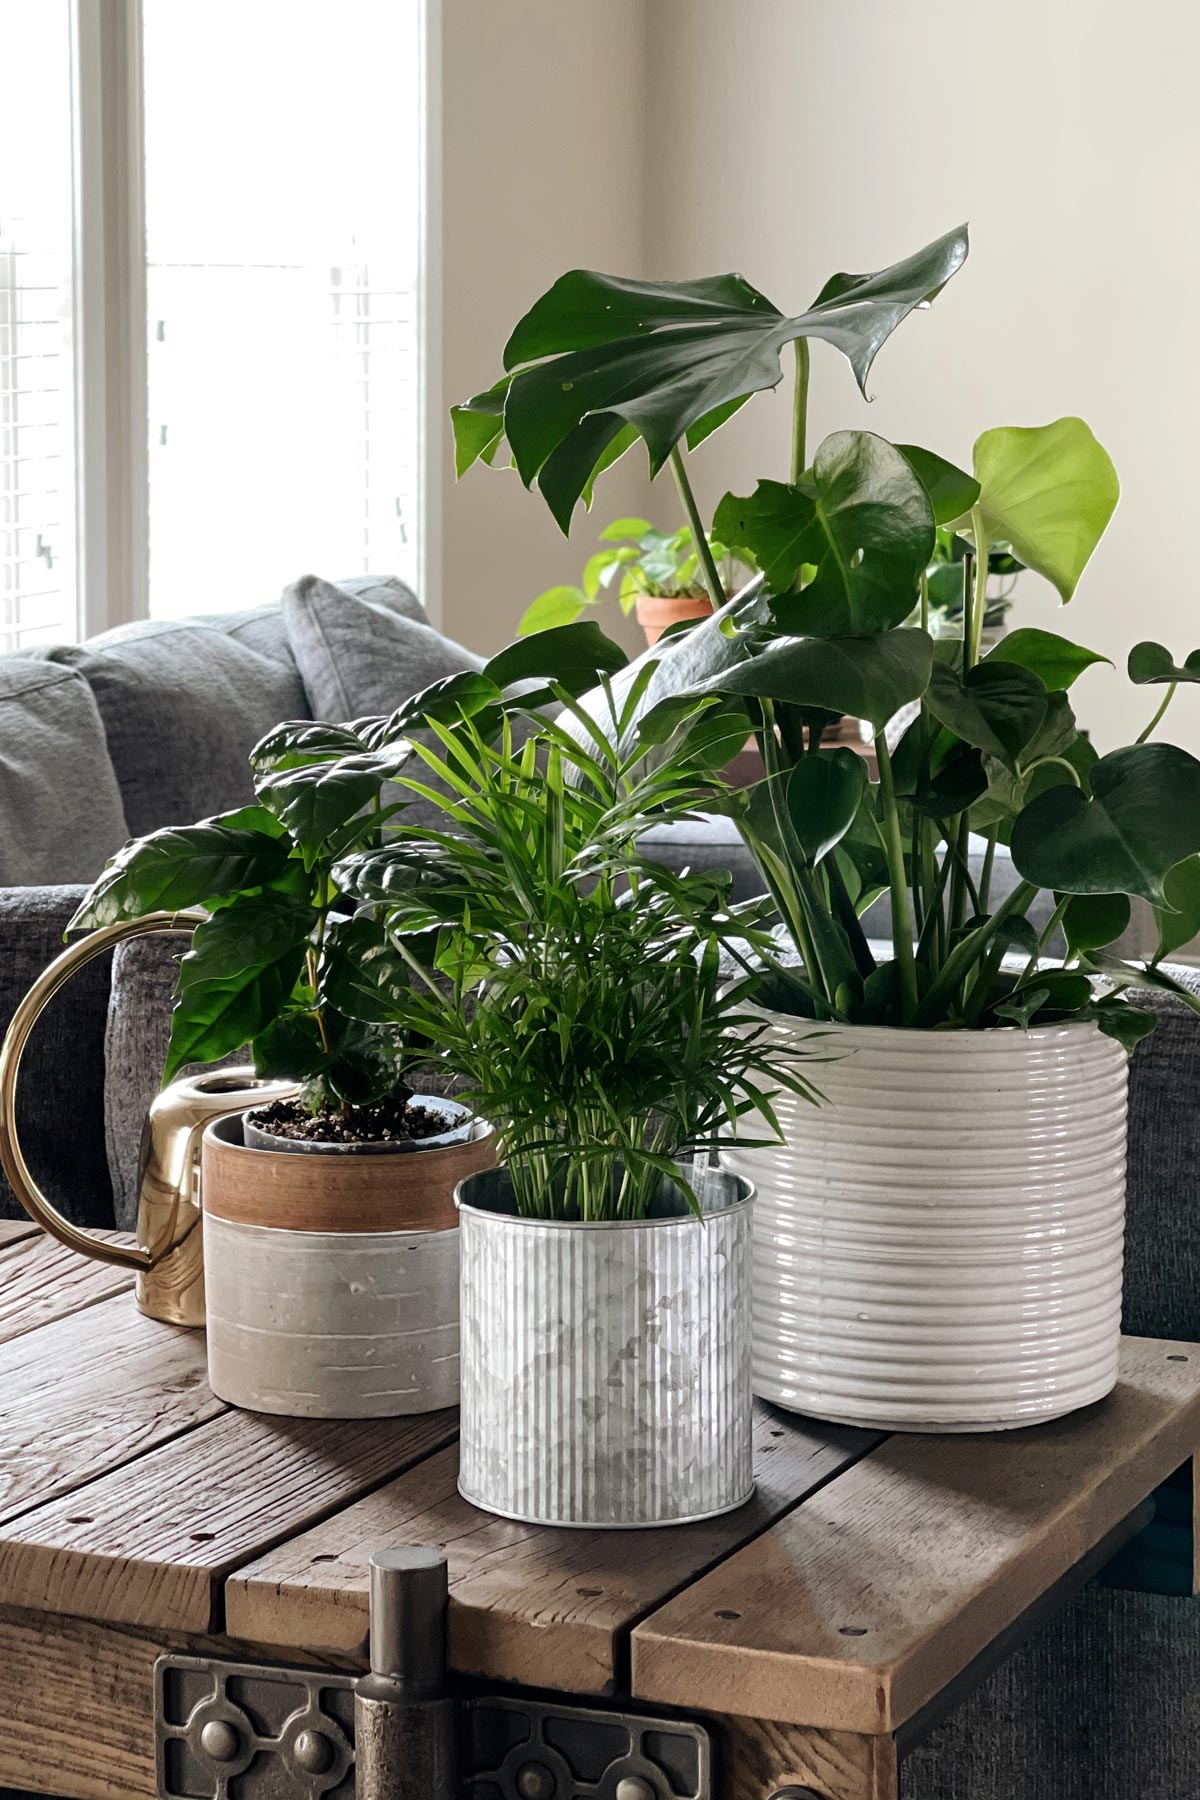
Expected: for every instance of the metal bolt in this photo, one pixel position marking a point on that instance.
(535, 1782)
(632, 1787)
(220, 1741)
(313, 1752)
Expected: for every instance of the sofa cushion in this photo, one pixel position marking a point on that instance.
(358, 654)
(61, 816)
(183, 704)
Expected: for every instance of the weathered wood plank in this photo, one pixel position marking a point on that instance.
(757, 1759)
(856, 1609)
(548, 1608)
(150, 1543)
(11, 1230)
(41, 1280)
(77, 1701)
(89, 1392)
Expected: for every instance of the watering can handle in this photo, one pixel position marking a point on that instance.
(23, 1020)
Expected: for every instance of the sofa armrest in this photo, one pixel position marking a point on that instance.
(60, 1099)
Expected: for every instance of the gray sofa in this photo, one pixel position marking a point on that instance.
(150, 725)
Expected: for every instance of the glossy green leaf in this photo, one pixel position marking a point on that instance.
(478, 426)
(868, 677)
(1058, 661)
(299, 742)
(557, 606)
(999, 708)
(237, 977)
(574, 656)
(1117, 1019)
(862, 519)
(290, 1047)
(180, 867)
(1049, 491)
(951, 491)
(1091, 921)
(362, 974)
(1179, 920)
(1151, 665)
(666, 358)
(1021, 1005)
(823, 795)
(1143, 817)
(316, 800)
(454, 697)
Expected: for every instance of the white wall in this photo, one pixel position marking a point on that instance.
(541, 170)
(790, 138)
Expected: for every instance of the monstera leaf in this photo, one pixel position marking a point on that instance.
(1151, 665)
(1142, 818)
(1049, 491)
(862, 519)
(599, 360)
(869, 677)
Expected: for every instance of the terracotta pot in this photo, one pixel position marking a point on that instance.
(656, 614)
(332, 1280)
(938, 1246)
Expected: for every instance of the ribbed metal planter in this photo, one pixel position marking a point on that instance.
(940, 1247)
(605, 1367)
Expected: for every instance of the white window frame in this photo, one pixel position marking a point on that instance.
(112, 495)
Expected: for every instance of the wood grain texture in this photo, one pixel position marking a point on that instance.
(412, 1191)
(77, 1701)
(543, 1607)
(11, 1230)
(41, 1280)
(87, 1393)
(856, 1609)
(757, 1757)
(150, 1543)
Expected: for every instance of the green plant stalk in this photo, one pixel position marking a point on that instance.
(712, 580)
(981, 987)
(964, 955)
(979, 609)
(851, 923)
(902, 935)
(1166, 701)
(800, 411)
(989, 858)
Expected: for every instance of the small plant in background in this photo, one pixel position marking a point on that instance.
(573, 986)
(942, 596)
(637, 562)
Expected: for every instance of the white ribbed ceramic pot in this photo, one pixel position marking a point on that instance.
(939, 1246)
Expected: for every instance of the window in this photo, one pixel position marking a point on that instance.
(37, 389)
(210, 289)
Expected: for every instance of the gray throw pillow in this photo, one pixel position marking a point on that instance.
(359, 655)
(61, 816)
(183, 704)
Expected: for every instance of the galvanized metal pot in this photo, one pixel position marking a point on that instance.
(940, 1246)
(332, 1281)
(606, 1367)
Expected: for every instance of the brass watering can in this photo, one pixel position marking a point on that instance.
(168, 1256)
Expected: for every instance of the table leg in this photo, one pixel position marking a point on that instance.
(761, 1760)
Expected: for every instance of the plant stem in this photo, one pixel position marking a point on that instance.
(970, 950)
(1167, 699)
(902, 937)
(989, 857)
(979, 611)
(800, 411)
(712, 579)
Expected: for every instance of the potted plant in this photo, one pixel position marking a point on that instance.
(940, 1247)
(656, 571)
(330, 1235)
(575, 990)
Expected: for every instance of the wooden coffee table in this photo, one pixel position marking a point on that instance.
(799, 1646)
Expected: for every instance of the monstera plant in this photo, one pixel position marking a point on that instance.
(844, 540)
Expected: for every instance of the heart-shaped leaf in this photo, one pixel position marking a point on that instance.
(1049, 491)
(1054, 658)
(1179, 921)
(824, 792)
(1151, 665)
(1127, 1025)
(868, 677)
(999, 708)
(666, 359)
(951, 491)
(1090, 921)
(1143, 817)
(557, 606)
(862, 519)
(574, 656)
